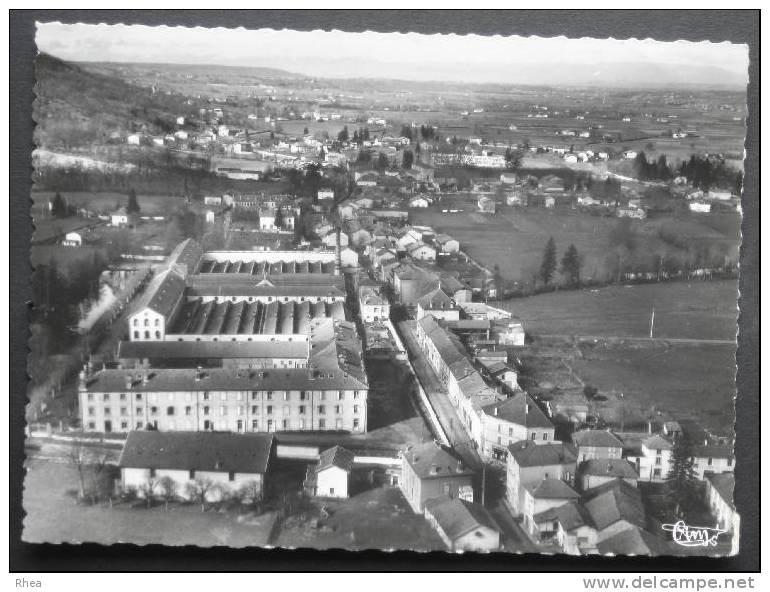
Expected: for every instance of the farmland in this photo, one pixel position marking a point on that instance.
(695, 380)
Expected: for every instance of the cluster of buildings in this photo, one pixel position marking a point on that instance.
(241, 341)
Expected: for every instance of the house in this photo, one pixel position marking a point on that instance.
(629, 212)
(633, 541)
(539, 499)
(575, 533)
(121, 218)
(529, 463)
(508, 178)
(372, 305)
(486, 205)
(228, 461)
(571, 158)
(713, 458)
(481, 311)
(719, 495)
(653, 461)
(419, 202)
(446, 243)
(512, 420)
(593, 444)
(325, 194)
(719, 195)
(155, 308)
(407, 280)
(210, 217)
(331, 476)
(549, 202)
(133, 140)
(429, 470)
(598, 471)
(614, 507)
(422, 252)
(212, 200)
(503, 373)
(409, 238)
(348, 257)
(700, 207)
(463, 525)
(438, 304)
(630, 154)
(72, 239)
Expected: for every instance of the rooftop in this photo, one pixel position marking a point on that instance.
(336, 456)
(458, 517)
(519, 409)
(614, 501)
(430, 460)
(197, 451)
(596, 438)
(212, 349)
(529, 454)
(724, 483)
(633, 541)
(609, 467)
(550, 488)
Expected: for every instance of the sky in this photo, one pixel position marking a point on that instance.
(471, 58)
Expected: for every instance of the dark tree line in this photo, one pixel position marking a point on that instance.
(654, 170)
(708, 172)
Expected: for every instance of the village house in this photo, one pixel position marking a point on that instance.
(438, 304)
(429, 470)
(719, 495)
(486, 205)
(512, 420)
(653, 460)
(422, 252)
(593, 444)
(539, 499)
(529, 463)
(72, 239)
(372, 305)
(597, 471)
(223, 463)
(121, 218)
(419, 201)
(331, 476)
(614, 507)
(712, 458)
(446, 243)
(463, 525)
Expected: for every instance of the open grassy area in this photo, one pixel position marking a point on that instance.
(376, 519)
(514, 238)
(694, 310)
(106, 202)
(53, 517)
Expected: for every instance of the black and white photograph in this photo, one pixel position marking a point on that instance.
(318, 289)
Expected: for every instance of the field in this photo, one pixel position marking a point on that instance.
(107, 202)
(53, 517)
(696, 310)
(694, 380)
(514, 238)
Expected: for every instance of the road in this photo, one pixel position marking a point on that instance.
(439, 400)
(514, 539)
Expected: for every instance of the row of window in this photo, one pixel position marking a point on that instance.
(272, 425)
(146, 335)
(224, 396)
(147, 322)
(206, 410)
(278, 299)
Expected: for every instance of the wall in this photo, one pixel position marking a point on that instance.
(270, 256)
(332, 482)
(132, 477)
(480, 539)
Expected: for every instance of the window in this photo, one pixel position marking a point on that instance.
(269, 425)
(107, 411)
(269, 409)
(254, 424)
(710, 461)
(123, 411)
(152, 472)
(154, 410)
(157, 334)
(136, 322)
(729, 462)
(139, 425)
(340, 395)
(499, 440)
(223, 396)
(322, 424)
(122, 396)
(191, 474)
(90, 411)
(658, 452)
(205, 395)
(106, 397)
(499, 429)
(92, 425)
(138, 396)
(545, 436)
(657, 461)
(254, 409)
(302, 410)
(169, 411)
(355, 408)
(254, 395)
(656, 473)
(285, 424)
(286, 410)
(331, 491)
(356, 423)
(231, 476)
(533, 436)
(285, 395)
(302, 395)
(269, 395)
(510, 431)
(321, 409)
(146, 334)
(206, 410)
(188, 410)
(90, 396)
(355, 394)
(139, 410)
(146, 322)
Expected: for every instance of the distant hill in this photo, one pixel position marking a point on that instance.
(74, 106)
(213, 70)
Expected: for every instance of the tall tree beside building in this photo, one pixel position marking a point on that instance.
(548, 266)
(58, 206)
(570, 266)
(408, 159)
(133, 205)
(382, 161)
(279, 215)
(343, 135)
(681, 480)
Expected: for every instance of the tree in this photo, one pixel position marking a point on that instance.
(279, 217)
(343, 135)
(382, 161)
(149, 488)
(198, 490)
(570, 266)
(548, 266)
(408, 159)
(305, 132)
(58, 206)
(251, 493)
(681, 480)
(168, 490)
(133, 205)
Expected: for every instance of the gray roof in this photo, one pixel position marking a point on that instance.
(597, 438)
(162, 294)
(458, 517)
(614, 501)
(431, 461)
(633, 541)
(336, 456)
(222, 379)
(212, 349)
(529, 454)
(520, 409)
(609, 467)
(550, 488)
(658, 442)
(724, 483)
(188, 253)
(197, 451)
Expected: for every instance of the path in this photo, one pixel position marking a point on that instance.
(439, 399)
(514, 539)
(680, 340)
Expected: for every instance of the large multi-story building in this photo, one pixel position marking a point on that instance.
(235, 341)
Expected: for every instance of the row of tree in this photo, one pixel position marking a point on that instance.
(571, 262)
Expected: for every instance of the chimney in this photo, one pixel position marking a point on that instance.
(145, 379)
(129, 381)
(495, 411)
(337, 255)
